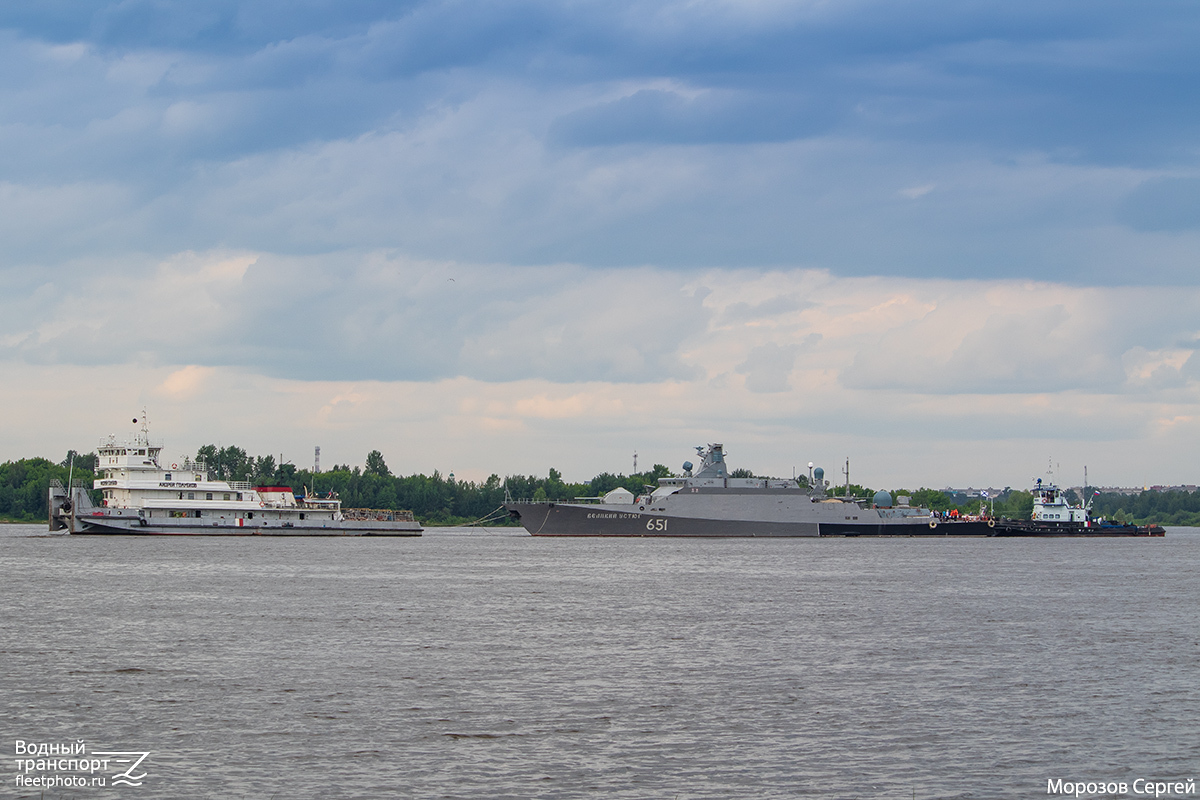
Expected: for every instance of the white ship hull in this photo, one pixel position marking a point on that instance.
(134, 526)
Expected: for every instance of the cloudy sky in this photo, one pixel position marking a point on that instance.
(952, 242)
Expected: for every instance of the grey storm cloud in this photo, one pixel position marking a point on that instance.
(932, 139)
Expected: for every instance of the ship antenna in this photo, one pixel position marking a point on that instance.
(70, 478)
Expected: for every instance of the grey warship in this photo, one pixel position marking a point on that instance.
(709, 503)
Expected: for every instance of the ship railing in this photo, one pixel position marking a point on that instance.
(377, 514)
(76, 483)
(547, 501)
(243, 485)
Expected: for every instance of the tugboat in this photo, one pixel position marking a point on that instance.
(142, 496)
(1054, 516)
(708, 502)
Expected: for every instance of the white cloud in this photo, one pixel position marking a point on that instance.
(768, 366)
(914, 192)
(480, 368)
(184, 384)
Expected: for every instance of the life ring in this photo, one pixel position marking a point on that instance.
(933, 523)
(991, 523)
(174, 466)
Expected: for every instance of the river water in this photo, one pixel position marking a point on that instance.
(468, 665)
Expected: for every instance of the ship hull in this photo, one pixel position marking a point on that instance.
(113, 525)
(1050, 530)
(570, 519)
(77, 515)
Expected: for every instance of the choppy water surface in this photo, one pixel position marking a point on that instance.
(477, 665)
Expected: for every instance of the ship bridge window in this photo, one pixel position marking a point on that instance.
(208, 495)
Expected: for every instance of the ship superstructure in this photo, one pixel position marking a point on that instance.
(1051, 506)
(142, 495)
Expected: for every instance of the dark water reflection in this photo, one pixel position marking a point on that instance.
(499, 666)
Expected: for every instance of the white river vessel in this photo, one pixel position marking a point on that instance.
(143, 496)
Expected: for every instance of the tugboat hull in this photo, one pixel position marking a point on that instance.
(1050, 530)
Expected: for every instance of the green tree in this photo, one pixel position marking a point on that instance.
(1015, 505)
(207, 455)
(376, 465)
(83, 461)
(227, 463)
(933, 499)
(285, 474)
(25, 486)
(264, 469)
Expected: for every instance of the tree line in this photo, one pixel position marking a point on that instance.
(443, 500)
(25, 484)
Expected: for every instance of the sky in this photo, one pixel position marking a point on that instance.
(954, 243)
